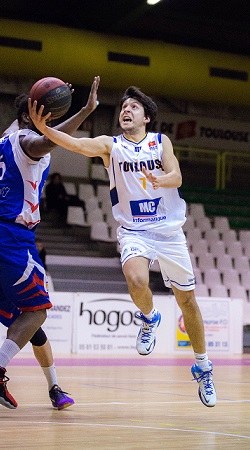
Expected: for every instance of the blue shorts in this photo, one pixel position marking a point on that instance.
(22, 275)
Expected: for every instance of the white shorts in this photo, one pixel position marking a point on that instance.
(171, 252)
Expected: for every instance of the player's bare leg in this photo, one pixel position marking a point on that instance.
(202, 369)
(136, 272)
(25, 326)
(192, 318)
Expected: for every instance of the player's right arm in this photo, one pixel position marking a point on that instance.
(36, 146)
(98, 146)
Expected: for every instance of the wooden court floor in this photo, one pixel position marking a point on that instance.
(128, 404)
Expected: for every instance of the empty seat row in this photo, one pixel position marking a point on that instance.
(221, 261)
(100, 230)
(211, 235)
(220, 290)
(230, 277)
(218, 248)
(87, 190)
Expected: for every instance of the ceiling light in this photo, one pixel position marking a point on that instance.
(152, 2)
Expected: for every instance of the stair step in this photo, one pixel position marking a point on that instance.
(71, 245)
(57, 239)
(74, 252)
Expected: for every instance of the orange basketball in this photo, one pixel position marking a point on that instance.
(54, 94)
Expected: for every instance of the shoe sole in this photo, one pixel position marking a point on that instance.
(7, 405)
(63, 406)
(202, 401)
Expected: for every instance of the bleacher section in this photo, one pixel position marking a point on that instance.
(233, 204)
(217, 231)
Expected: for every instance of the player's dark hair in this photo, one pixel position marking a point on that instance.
(150, 107)
(21, 105)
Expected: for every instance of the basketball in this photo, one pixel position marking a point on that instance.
(54, 94)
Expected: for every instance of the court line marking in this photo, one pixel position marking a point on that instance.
(131, 427)
(84, 404)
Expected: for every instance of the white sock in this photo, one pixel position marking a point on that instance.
(201, 360)
(151, 314)
(50, 374)
(8, 350)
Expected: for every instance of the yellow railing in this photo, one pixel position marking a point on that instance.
(237, 162)
(231, 169)
(203, 156)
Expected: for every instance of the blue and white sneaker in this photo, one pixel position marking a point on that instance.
(146, 339)
(206, 391)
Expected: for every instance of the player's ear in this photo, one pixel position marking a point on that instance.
(25, 117)
(147, 119)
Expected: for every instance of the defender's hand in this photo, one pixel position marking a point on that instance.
(92, 102)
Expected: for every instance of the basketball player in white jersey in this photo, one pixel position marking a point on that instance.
(144, 180)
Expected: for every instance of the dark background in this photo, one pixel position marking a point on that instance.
(211, 24)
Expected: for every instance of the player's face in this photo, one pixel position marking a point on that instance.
(132, 115)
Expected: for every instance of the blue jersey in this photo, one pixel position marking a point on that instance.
(22, 275)
(21, 181)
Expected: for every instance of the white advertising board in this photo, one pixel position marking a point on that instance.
(59, 323)
(58, 326)
(223, 324)
(96, 323)
(106, 323)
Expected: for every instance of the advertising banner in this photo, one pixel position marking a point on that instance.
(204, 132)
(58, 326)
(97, 323)
(106, 323)
(59, 323)
(219, 324)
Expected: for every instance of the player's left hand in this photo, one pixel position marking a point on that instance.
(92, 102)
(151, 178)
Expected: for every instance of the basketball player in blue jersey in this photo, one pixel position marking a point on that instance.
(144, 180)
(24, 299)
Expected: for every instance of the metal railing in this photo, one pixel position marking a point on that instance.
(226, 170)
(195, 160)
(235, 170)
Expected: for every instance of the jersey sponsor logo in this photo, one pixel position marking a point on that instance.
(152, 145)
(142, 208)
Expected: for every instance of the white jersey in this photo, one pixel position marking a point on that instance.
(135, 204)
(21, 181)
